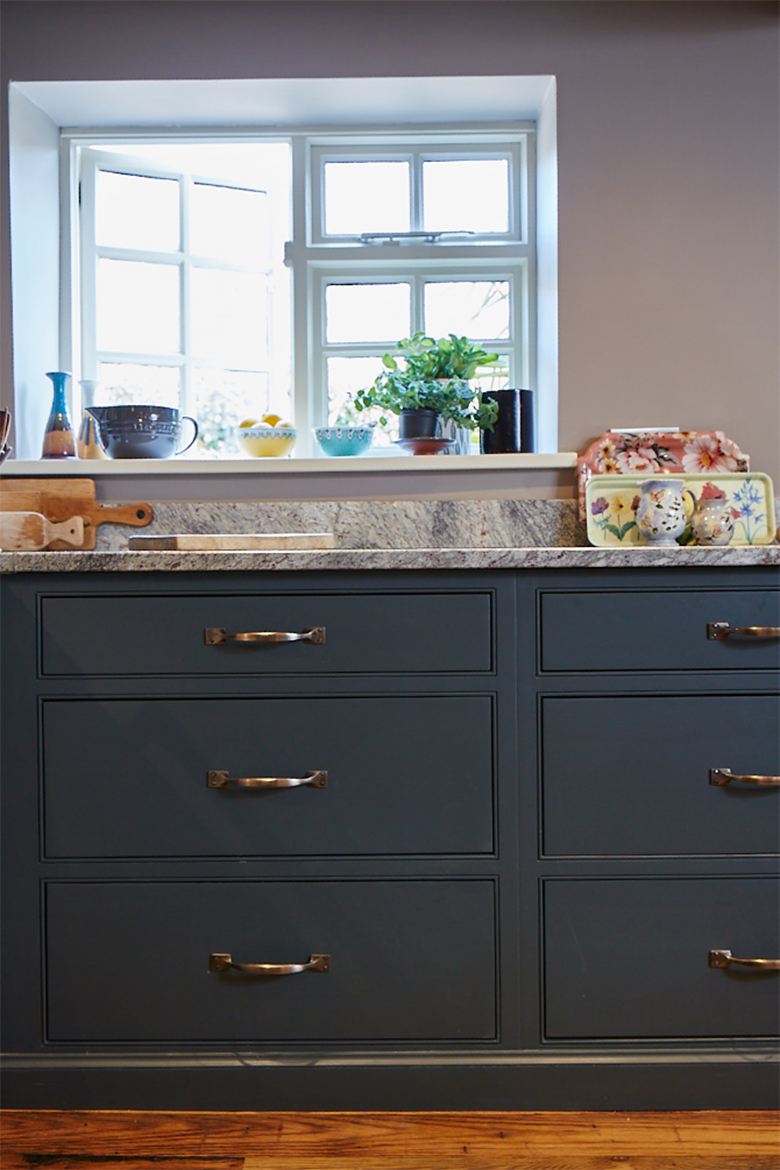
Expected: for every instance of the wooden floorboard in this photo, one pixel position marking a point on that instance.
(112, 1140)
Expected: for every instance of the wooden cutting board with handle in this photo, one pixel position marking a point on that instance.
(60, 499)
(28, 531)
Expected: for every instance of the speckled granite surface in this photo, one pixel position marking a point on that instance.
(399, 558)
(446, 534)
(377, 524)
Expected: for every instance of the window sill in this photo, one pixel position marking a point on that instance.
(98, 468)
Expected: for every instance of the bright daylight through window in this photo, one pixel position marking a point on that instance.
(235, 279)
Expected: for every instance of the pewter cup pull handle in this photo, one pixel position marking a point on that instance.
(725, 959)
(724, 776)
(719, 631)
(221, 962)
(217, 637)
(318, 779)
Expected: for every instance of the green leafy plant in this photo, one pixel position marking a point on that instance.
(425, 374)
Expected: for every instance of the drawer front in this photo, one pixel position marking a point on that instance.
(364, 633)
(628, 959)
(629, 775)
(410, 961)
(659, 630)
(128, 777)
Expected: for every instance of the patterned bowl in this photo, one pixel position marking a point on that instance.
(344, 440)
(263, 442)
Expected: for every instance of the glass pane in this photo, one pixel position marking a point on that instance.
(478, 309)
(230, 317)
(224, 398)
(498, 380)
(345, 377)
(132, 211)
(462, 195)
(227, 223)
(137, 307)
(121, 383)
(367, 312)
(366, 197)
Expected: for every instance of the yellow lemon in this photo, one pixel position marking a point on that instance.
(271, 420)
(248, 422)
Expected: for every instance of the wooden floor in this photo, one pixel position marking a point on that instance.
(389, 1141)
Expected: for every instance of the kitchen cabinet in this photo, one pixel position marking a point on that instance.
(474, 808)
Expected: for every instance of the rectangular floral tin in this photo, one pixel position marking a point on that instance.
(611, 503)
(644, 452)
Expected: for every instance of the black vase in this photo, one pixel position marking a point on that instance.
(417, 424)
(514, 428)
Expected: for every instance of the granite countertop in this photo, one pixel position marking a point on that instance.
(400, 534)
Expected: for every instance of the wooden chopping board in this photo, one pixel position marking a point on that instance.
(60, 499)
(233, 542)
(29, 531)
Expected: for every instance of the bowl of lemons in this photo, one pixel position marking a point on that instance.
(268, 437)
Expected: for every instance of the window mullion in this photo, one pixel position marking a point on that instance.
(88, 259)
(186, 385)
(308, 387)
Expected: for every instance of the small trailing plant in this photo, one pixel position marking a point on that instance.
(425, 374)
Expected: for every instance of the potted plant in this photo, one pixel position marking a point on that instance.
(425, 380)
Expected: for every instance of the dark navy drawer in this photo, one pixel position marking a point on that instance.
(628, 958)
(659, 630)
(410, 961)
(387, 633)
(630, 775)
(127, 778)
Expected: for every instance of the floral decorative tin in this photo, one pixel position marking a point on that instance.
(742, 503)
(645, 452)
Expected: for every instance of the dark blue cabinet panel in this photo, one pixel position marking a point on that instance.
(628, 958)
(405, 774)
(663, 630)
(163, 635)
(629, 775)
(410, 961)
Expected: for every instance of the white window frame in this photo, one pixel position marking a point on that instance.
(316, 258)
(87, 163)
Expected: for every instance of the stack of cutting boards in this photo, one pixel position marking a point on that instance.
(58, 514)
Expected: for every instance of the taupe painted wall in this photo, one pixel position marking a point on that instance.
(668, 135)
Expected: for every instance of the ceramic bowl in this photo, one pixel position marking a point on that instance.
(142, 432)
(347, 440)
(264, 442)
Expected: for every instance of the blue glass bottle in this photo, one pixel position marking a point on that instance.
(58, 438)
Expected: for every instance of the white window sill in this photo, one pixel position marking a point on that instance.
(92, 468)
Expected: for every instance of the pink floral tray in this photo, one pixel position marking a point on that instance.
(612, 502)
(645, 452)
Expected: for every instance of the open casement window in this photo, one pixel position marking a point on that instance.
(233, 299)
(184, 294)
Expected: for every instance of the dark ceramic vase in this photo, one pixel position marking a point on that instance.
(514, 427)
